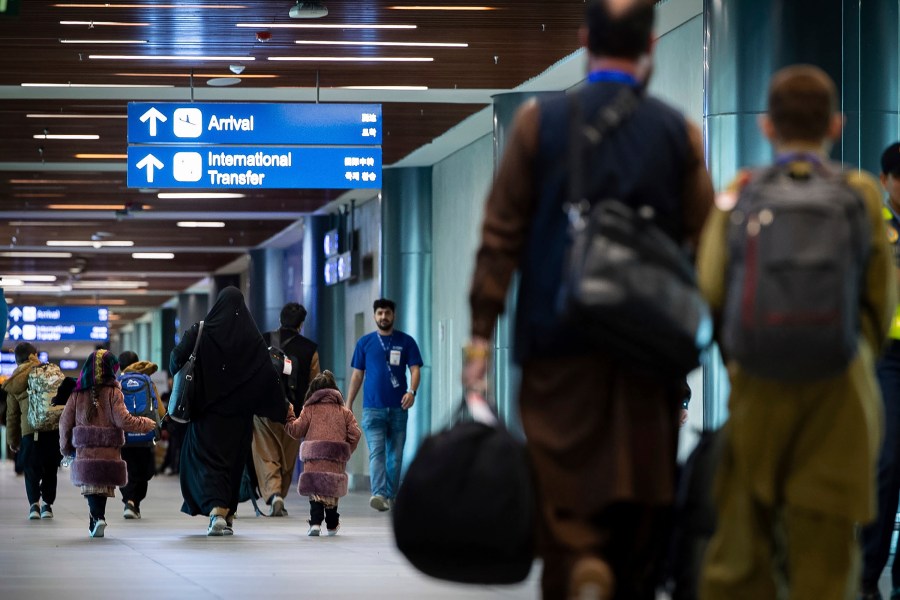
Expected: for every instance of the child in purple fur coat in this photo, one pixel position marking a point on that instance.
(331, 435)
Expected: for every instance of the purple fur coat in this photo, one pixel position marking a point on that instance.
(97, 443)
(332, 434)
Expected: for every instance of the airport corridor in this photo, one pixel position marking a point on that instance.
(167, 554)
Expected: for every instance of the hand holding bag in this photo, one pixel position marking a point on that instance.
(465, 510)
(184, 384)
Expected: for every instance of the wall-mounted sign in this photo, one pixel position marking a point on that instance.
(254, 123)
(68, 364)
(248, 167)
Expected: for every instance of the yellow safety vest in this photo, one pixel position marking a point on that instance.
(893, 236)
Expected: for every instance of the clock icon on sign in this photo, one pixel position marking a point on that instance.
(187, 166)
(187, 122)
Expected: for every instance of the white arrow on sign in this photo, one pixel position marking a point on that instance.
(153, 115)
(15, 332)
(16, 313)
(150, 162)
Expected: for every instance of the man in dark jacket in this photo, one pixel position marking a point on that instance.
(602, 436)
(274, 451)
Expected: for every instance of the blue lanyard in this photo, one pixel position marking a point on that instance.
(613, 76)
(789, 157)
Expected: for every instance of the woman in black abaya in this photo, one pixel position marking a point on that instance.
(236, 381)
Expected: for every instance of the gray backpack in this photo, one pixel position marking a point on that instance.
(798, 249)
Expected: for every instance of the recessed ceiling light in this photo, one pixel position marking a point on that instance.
(109, 5)
(65, 41)
(194, 75)
(223, 81)
(34, 278)
(153, 255)
(197, 195)
(4, 282)
(178, 57)
(86, 207)
(73, 116)
(200, 224)
(93, 85)
(120, 285)
(352, 58)
(57, 136)
(323, 26)
(91, 243)
(23, 254)
(373, 43)
(104, 23)
(442, 8)
(404, 88)
(102, 156)
(54, 223)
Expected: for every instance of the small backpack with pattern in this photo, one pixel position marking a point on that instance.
(43, 384)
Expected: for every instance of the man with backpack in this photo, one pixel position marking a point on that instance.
(141, 399)
(274, 451)
(877, 538)
(796, 266)
(39, 448)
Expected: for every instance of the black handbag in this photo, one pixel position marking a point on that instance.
(465, 511)
(626, 283)
(184, 385)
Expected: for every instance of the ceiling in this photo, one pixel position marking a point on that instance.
(50, 193)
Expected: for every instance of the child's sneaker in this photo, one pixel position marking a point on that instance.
(46, 512)
(332, 532)
(314, 530)
(379, 503)
(98, 526)
(34, 512)
(277, 507)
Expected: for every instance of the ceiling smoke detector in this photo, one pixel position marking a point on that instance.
(308, 10)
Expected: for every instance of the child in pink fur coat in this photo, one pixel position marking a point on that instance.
(332, 434)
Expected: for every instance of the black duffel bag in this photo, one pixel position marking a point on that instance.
(465, 511)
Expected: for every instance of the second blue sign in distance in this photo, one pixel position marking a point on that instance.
(254, 123)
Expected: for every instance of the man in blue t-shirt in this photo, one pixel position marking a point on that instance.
(382, 357)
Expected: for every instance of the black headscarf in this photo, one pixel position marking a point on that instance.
(232, 352)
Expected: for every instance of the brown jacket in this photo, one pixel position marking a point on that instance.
(96, 442)
(332, 434)
(16, 388)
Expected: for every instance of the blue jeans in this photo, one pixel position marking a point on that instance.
(385, 435)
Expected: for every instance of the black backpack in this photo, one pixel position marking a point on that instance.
(798, 249)
(278, 355)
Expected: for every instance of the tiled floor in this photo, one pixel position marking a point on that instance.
(166, 555)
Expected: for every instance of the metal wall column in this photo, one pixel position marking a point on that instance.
(406, 246)
(191, 309)
(266, 295)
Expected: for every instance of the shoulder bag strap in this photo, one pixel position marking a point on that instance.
(608, 117)
(197, 343)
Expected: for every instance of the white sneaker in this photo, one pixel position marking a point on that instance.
(99, 528)
(277, 507)
(332, 532)
(34, 512)
(379, 503)
(217, 526)
(314, 530)
(131, 512)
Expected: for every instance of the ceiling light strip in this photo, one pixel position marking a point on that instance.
(352, 59)
(198, 195)
(65, 41)
(389, 44)
(108, 5)
(104, 23)
(449, 8)
(102, 156)
(59, 136)
(169, 57)
(153, 255)
(323, 26)
(396, 88)
(23, 254)
(30, 278)
(196, 75)
(209, 224)
(90, 243)
(72, 116)
(93, 85)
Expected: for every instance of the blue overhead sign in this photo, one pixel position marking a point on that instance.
(254, 124)
(270, 167)
(58, 323)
